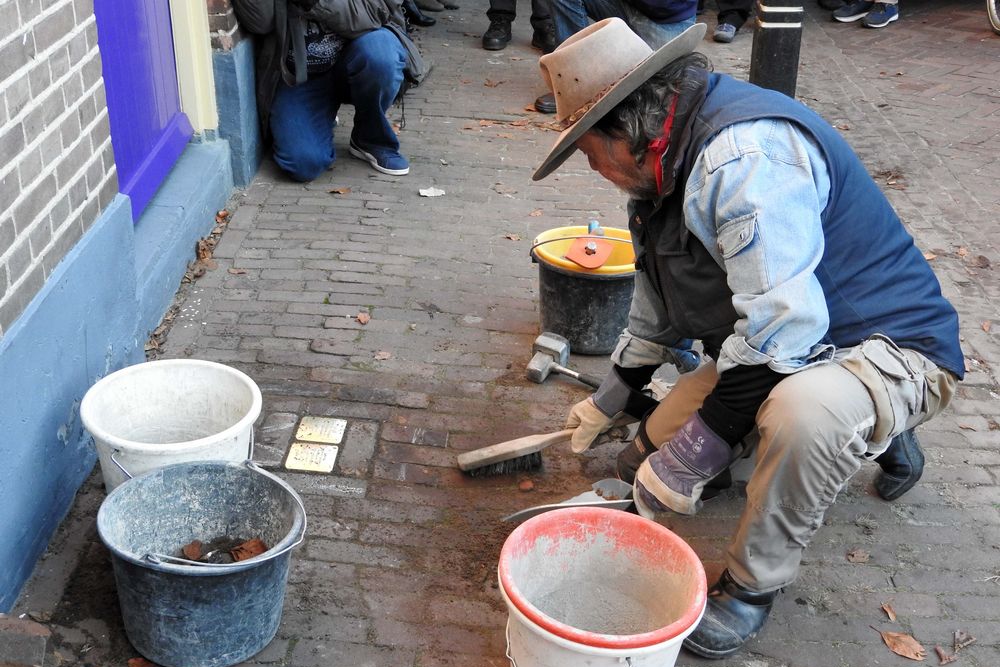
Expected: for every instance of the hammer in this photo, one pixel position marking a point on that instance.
(551, 354)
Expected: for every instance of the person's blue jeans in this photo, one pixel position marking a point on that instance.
(571, 16)
(368, 75)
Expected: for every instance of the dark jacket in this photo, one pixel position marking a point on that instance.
(283, 22)
(666, 11)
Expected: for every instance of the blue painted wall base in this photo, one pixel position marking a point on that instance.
(235, 84)
(91, 318)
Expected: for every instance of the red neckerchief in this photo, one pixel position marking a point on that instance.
(659, 145)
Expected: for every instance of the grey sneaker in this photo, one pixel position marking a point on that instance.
(724, 33)
(853, 11)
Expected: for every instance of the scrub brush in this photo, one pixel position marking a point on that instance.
(521, 454)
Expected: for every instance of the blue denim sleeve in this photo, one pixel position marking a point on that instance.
(754, 199)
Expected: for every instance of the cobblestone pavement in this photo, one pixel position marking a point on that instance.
(399, 568)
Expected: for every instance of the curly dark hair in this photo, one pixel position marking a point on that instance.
(638, 119)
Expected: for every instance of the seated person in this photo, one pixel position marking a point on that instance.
(315, 55)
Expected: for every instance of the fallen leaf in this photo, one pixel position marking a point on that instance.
(962, 251)
(858, 556)
(982, 262)
(512, 237)
(486, 123)
(222, 215)
(929, 256)
(237, 272)
(843, 126)
(943, 657)
(382, 355)
(962, 639)
(526, 485)
(203, 250)
(192, 550)
(965, 427)
(490, 83)
(248, 549)
(986, 326)
(431, 192)
(363, 318)
(530, 107)
(536, 213)
(903, 644)
(516, 58)
(40, 616)
(340, 191)
(889, 611)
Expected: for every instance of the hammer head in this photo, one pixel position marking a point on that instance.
(553, 345)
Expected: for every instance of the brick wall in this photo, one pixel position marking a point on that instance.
(222, 25)
(57, 169)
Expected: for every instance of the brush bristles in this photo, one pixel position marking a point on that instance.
(524, 463)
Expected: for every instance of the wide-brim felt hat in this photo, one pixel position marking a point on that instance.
(595, 69)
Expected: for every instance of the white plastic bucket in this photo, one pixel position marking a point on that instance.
(158, 413)
(598, 587)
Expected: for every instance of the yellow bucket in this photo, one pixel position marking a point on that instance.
(550, 247)
(588, 307)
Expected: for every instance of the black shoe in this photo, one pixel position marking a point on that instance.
(544, 38)
(732, 616)
(902, 465)
(546, 104)
(497, 36)
(415, 16)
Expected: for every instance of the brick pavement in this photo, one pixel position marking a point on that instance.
(399, 566)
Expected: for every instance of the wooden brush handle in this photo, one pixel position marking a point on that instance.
(511, 449)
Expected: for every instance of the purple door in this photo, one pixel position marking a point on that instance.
(148, 130)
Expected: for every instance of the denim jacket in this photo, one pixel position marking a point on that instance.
(769, 173)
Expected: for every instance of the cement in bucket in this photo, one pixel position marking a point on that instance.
(170, 411)
(180, 614)
(598, 587)
(589, 307)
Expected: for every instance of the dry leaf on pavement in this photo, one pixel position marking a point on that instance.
(512, 237)
(929, 256)
(943, 657)
(490, 83)
(339, 191)
(858, 556)
(889, 611)
(236, 272)
(903, 644)
(986, 326)
(363, 318)
(536, 213)
(382, 355)
(962, 251)
(962, 639)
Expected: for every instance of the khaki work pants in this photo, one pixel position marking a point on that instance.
(815, 429)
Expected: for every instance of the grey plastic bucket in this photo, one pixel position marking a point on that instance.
(181, 614)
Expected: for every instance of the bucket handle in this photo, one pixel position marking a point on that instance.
(129, 475)
(513, 663)
(531, 250)
(163, 558)
(120, 466)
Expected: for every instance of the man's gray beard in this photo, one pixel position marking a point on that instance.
(642, 193)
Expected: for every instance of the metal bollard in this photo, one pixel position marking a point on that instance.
(777, 36)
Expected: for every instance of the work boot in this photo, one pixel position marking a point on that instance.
(544, 37)
(902, 465)
(732, 616)
(497, 36)
(546, 103)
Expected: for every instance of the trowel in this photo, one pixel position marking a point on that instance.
(610, 493)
